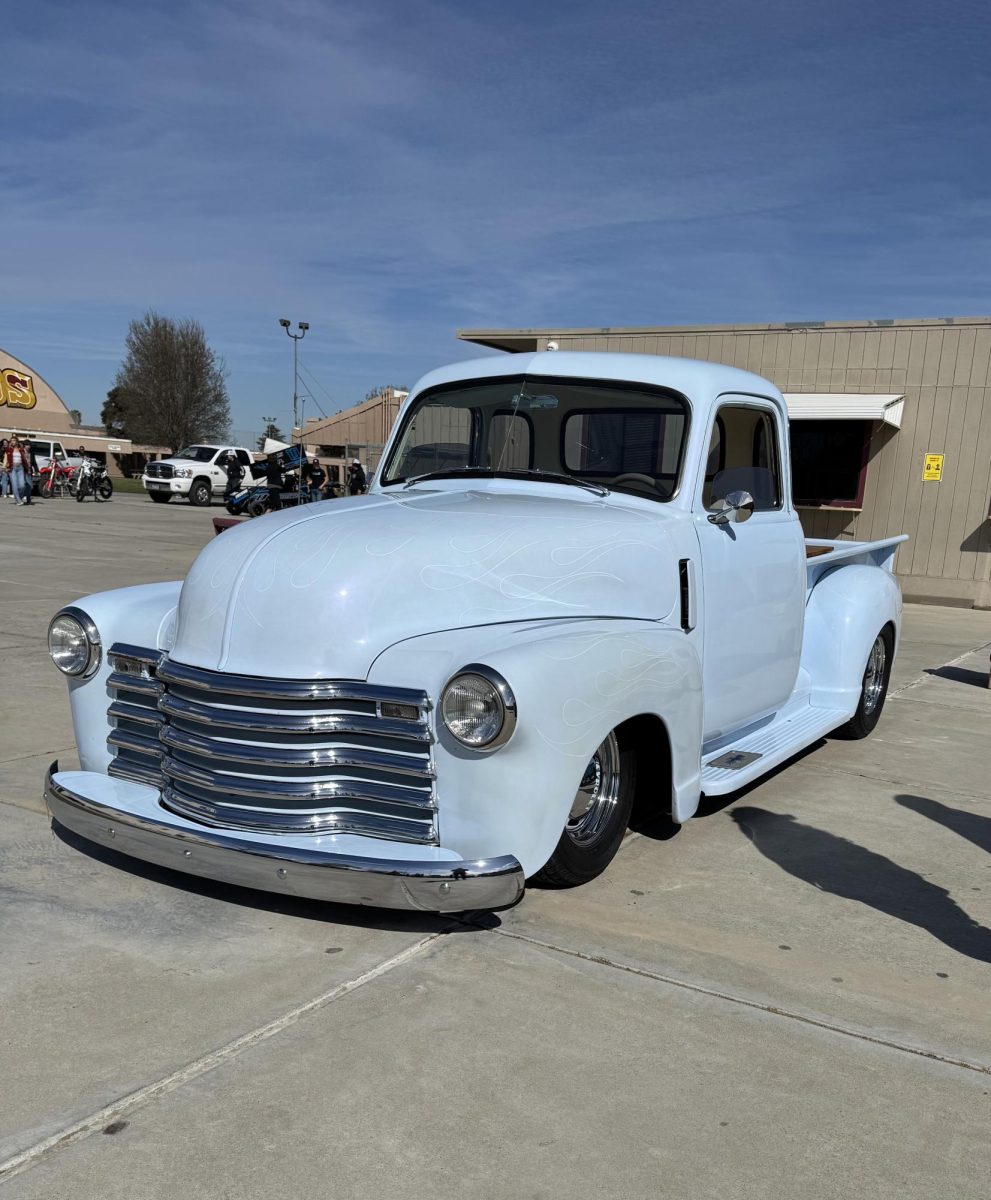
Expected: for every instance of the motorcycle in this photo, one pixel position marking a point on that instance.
(92, 477)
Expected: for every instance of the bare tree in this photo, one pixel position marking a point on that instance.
(170, 386)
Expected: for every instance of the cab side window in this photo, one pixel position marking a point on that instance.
(243, 458)
(743, 457)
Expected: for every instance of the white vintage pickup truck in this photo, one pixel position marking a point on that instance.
(577, 584)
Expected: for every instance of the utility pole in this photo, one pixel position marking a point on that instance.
(302, 326)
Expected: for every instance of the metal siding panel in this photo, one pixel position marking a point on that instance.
(955, 400)
(900, 474)
(982, 355)
(855, 354)
(956, 533)
(913, 484)
(841, 353)
(872, 344)
(936, 494)
(900, 367)
(965, 358)
(976, 524)
(886, 349)
(877, 488)
(931, 357)
(949, 347)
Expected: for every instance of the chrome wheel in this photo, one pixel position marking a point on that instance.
(597, 795)
(874, 675)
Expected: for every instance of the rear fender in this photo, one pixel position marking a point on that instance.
(846, 610)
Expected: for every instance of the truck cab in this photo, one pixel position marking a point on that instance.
(577, 583)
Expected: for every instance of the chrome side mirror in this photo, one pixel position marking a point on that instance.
(736, 507)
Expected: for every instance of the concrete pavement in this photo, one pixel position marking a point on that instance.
(787, 997)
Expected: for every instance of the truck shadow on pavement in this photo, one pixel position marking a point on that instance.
(362, 916)
(972, 826)
(841, 867)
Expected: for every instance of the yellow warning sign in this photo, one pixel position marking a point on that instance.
(932, 468)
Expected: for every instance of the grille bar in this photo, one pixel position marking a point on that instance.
(229, 816)
(257, 721)
(140, 744)
(286, 689)
(302, 791)
(255, 756)
(135, 712)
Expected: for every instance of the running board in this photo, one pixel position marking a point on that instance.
(735, 765)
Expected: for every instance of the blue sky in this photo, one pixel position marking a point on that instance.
(391, 172)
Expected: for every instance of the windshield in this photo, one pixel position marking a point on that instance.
(198, 453)
(627, 438)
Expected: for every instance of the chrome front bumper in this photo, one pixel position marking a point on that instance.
(428, 885)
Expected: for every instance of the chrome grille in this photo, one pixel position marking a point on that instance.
(160, 470)
(284, 756)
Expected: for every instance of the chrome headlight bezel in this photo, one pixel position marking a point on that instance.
(91, 635)
(183, 473)
(500, 696)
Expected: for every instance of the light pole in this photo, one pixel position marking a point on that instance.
(302, 326)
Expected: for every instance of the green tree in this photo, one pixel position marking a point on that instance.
(271, 431)
(171, 385)
(113, 414)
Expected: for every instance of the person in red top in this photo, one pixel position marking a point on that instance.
(19, 469)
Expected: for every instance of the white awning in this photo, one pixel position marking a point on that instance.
(845, 406)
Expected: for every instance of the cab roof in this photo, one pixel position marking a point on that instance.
(692, 378)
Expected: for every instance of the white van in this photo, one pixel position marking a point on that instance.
(44, 447)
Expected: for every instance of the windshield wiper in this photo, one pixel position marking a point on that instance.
(488, 473)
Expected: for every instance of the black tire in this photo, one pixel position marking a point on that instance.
(231, 508)
(80, 493)
(873, 688)
(201, 493)
(257, 508)
(584, 852)
(160, 497)
(47, 488)
(105, 489)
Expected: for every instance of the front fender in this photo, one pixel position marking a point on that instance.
(143, 616)
(574, 681)
(846, 611)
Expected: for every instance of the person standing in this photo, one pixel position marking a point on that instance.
(316, 478)
(30, 468)
(274, 479)
(18, 464)
(4, 473)
(235, 473)
(356, 478)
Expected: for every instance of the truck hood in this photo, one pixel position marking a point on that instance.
(321, 591)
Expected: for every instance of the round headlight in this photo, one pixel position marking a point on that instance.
(74, 643)
(478, 708)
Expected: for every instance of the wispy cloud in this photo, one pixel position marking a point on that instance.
(391, 172)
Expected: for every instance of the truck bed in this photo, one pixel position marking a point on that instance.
(822, 555)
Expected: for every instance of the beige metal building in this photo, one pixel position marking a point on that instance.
(890, 428)
(359, 432)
